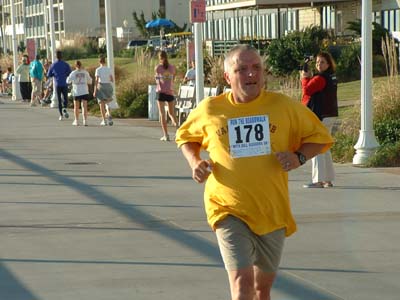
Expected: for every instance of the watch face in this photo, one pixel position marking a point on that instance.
(302, 158)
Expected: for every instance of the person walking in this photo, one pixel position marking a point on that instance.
(80, 80)
(24, 81)
(254, 138)
(36, 71)
(320, 95)
(164, 75)
(47, 84)
(103, 91)
(60, 71)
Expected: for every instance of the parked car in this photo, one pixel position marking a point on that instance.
(136, 43)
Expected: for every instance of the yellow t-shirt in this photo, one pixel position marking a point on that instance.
(252, 188)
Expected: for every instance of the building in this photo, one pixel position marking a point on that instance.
(269, 19)
(74, 18)
(226, 19)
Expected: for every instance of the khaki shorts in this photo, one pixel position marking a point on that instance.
(241, 248)
(36, 87)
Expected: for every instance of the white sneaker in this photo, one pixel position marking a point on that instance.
(165, 138)
(66, 115)
(103, 123)
(84, 122)
(75, 123)
(60, 118)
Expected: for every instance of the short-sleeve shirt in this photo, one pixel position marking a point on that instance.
(80, 80)
(165, 79)
(104, 73)
(36, 70)
(191, 76)
(251, 188)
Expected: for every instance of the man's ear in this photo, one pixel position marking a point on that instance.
(226, 76)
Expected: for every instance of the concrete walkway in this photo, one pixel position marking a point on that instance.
(101, 213)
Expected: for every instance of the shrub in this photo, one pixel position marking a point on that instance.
(92, 48)
(386, 112)
(132, 92)
(348, 64)
(387, 131)
(72, 52)
(378, 32)
(214, 71)
(346, 136)
(378, 66)
(127, 52)
(139, 107)
(289, 85)
(387, 156)
(286, 54)
(343, 149)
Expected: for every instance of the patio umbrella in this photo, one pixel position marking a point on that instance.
(160, 23)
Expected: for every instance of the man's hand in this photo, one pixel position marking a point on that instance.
(201, 169)
(288, 160)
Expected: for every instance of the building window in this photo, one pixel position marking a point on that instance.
(390, 19)
(328, 17)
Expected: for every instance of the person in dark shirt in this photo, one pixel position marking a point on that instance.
(320, 95)
(60, 71)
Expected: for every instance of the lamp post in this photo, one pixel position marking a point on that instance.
(4, 16)
(125, 23)
(367, 142)
(54, 102)
(16, 94)
(109, 40)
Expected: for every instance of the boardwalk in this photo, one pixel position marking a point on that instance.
(101, 213)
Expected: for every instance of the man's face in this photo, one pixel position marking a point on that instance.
(245, 76)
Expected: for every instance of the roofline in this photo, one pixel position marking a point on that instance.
(271, 4)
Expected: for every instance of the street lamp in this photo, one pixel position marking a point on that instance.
(125, 23)
(4, 16)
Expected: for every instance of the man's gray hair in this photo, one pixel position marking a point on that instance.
(235, 49)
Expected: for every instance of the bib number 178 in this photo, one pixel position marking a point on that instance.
(248, 132)
(249, 136)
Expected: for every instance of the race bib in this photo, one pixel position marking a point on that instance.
(249, 136)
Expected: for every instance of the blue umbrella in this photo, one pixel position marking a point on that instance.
(160, 23)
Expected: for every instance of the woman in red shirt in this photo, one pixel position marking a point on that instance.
(320, 95)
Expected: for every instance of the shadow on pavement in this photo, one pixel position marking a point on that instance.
(286, 283)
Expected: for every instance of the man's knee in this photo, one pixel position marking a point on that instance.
(263, 284)
(242, 284)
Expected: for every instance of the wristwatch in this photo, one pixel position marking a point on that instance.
(301, 157)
